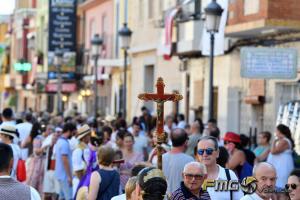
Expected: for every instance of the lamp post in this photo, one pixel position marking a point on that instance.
(96, 44)
(125, 35)
(58, 63)
(213, 14)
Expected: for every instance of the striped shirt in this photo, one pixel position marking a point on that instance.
(183, 193)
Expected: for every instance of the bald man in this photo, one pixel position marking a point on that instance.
(265, 175)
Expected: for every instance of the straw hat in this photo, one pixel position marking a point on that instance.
(9, 130)
(83, 131)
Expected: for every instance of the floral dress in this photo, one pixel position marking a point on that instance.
(35, 170)
(126, 167)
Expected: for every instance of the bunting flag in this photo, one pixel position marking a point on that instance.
(169, 20)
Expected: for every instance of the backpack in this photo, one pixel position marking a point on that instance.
(228, 179)
(296, 159)
(245, 171)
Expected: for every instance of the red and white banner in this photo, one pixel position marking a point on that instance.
(169, 20)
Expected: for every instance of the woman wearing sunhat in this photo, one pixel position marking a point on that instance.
(7, 135)
(237, 158)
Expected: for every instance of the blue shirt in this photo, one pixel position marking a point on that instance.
(62, 147)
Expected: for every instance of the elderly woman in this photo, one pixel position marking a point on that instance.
(293, 185)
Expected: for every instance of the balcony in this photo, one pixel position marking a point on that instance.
(189, 38)
(248, 18)
(187, 29)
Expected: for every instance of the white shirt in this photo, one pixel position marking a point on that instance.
(17, 155)
(168, 130)
(24, 130)
(140, 142)
(181, 124)
(73, 143)
(77, 159)
(33, 193)
(253, 196)
(224, 195)
(119, 197)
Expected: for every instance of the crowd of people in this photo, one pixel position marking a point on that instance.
(74, 157)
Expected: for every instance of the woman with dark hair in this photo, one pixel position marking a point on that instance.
(293, 185)
(237, 157)
(281, 154)
(130, 157)
(263, 149)
(151, 184)
(223, 157)
(35, 171)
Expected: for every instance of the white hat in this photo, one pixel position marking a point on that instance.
(109, 118)
(83, 131)
(9, 130)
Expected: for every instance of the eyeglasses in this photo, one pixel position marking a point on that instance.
(195, 176)
(293, 186)
(208, 151)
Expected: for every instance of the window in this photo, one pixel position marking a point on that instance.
(251, 7)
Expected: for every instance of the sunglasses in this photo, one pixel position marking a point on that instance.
(208, 151)
(195, 176)
(293, 186)
(226, 142)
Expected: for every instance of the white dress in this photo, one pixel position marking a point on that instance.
(283, 163)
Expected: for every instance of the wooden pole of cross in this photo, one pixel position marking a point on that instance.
(160, 98)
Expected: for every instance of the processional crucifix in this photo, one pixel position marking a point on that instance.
(160, 98)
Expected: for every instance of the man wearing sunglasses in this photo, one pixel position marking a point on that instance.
(265, 175)
(175, 160)
(193, 175)
(207, 154)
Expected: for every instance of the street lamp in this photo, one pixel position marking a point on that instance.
(125, 35)
(96, 44)
(213, 14)
(58, 59)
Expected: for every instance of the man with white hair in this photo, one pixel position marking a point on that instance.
(265, 174)
(194, 174)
